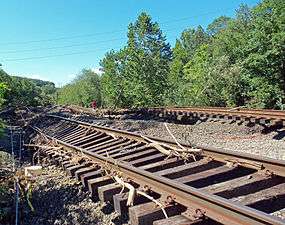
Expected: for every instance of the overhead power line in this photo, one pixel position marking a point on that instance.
(61, 47)
(61, 38)
(70, 46)
(193, 17)
(108, 32)
(80, 44)
(55, 55)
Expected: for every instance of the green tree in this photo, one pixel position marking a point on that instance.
(236, 61)
(264, 63)
(218, 25)
(3, 90)
(113, 80)
(183, 52)
(26, 92)
(147, 63)
(82, 90)
(136, 76)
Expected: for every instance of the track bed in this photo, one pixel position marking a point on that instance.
(214, 187)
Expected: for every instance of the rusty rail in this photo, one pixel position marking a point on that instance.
(258, 116)
(262, 116)
(138, 164)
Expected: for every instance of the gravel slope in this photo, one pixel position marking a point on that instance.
(219, 134)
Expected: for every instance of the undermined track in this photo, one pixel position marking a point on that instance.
(218, 187)
(259, 116)
(265, 117)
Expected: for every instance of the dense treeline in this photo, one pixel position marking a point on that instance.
(19, 91)
(82, 90)
(233, 62)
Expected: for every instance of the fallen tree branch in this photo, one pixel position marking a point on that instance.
(42, 146)
(197, 150)
(153, 200)
(173, 151)
(182, 147)
(133, 192)
(112, 135)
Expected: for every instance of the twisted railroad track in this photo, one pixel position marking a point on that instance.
(259, 116)
(266, 117)
(217, 187)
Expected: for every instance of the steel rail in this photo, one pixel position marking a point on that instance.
(245, 159)
(227, 109)
(261, 116)
(270, 114)
(260, 113)
(217, 208)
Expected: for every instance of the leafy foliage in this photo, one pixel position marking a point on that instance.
(184, 51)
(137, 75)
(3, 89)
(113, 80)
(147, 63)
(26, 92)
(84, 89)
(234, 62)
(241, 62)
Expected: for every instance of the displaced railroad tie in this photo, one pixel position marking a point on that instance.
(241, 114)
(157, 181)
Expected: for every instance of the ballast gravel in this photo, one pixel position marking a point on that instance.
(60, 200)
(240, 137)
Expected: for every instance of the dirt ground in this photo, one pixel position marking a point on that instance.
(61, 200)
(6, 189)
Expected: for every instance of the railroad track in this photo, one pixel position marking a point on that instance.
(185, 114)
(260, 116)
(219, 187)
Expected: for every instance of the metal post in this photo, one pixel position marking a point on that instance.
(17, 201)
(12, 148)
(20, 145)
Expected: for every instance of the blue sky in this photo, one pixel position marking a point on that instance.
(54, 39)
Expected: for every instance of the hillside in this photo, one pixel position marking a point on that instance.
(20, 91)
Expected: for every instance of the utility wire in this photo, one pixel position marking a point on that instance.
(195, 16)
(58, 55)
(75, 45)
(70, 46)
(12, 147)
(61, 38)
(62, 47)
(109, 32)
(16, 182)
(51, 56)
